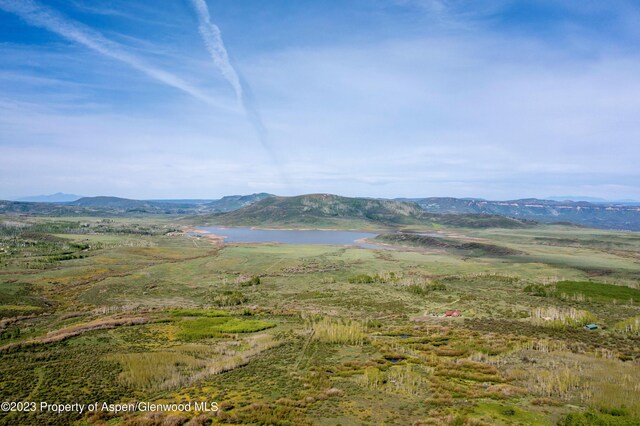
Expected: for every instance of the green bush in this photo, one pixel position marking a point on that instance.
(253, 281)
(422, 289)
(229, 298)
(10, 333)
(361, 279)
(538, 290)
(508, 411)
(598, 419)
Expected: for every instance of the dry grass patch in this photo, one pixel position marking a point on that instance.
(584, 379)
(554, 317)
(234, 359)
(408, 379)
(335, 330)
(78, 329)
(156, 370)
(629, 326)
(183, 365)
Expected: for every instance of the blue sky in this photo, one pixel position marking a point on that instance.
(399, 98)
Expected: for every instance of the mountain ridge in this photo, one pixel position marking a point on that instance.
(58, 197)
(325, 209)
(606, 216)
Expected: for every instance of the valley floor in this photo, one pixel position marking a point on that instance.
(126, 311)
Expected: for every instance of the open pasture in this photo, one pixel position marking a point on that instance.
(326, 335)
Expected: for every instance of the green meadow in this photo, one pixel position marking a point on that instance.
(125, 310)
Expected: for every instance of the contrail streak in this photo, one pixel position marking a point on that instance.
(43, 17)
(212, 39)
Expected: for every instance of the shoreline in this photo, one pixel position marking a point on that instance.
(359, 242)
(257, 228)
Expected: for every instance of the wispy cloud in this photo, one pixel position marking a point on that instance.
(519, 115)
(44, 17)
(212, 38)
(213, 41)
(395, 103)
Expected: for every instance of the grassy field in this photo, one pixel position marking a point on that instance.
(124, 310)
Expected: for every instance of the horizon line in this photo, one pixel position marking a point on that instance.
(584, 198)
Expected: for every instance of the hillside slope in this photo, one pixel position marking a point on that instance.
(326, 210)
(129, 205)
(322, 209)
(117, 206)
(466, 248)
(234, 202)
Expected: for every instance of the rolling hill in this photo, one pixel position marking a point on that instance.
(321, 210)
(327, 210)
(128, 205)
(96, 206)
(234, 202)
(117, 206)
(38, 209)
(466, 248)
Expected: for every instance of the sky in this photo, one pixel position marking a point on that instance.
(161, 99)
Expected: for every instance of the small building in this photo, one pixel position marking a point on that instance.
(591, 326)
(452, 313)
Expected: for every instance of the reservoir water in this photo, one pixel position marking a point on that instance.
(285, 236)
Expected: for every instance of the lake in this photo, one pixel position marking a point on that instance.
(250, 235)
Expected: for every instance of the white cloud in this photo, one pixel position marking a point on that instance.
(43, 17)
(470, 113)
(466, 108)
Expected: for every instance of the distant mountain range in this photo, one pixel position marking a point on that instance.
(123, 204)
(607, 216)
(325, 210)
(224, 204)
(58, 197)
(591, 199)
(117, 206)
